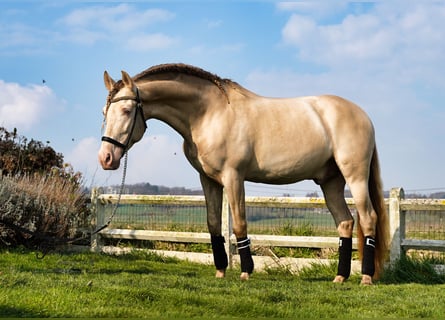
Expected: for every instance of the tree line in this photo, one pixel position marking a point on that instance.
(147, 188)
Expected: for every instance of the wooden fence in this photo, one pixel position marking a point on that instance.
(398, 207)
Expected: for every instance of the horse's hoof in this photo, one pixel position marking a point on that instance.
(339, 279)
(244, 276)
(366, 280)
(220, 274)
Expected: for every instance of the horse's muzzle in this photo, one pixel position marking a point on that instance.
(109, 158)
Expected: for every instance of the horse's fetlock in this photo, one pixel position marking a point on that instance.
(219, 252)
(344, 259)
(368, 265)
(247, 264)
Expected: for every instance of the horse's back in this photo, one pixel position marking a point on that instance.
(307, 122)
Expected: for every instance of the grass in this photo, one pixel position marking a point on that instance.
(146, 285)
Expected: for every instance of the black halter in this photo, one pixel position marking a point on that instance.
(124, 146)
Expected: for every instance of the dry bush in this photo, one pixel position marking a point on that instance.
(50, 205)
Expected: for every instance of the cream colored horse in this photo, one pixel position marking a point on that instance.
(232, 135)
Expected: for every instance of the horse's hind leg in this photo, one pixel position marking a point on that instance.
(213, 195)
(368, 223)
(333, 190)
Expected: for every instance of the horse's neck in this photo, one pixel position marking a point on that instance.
(179, 104)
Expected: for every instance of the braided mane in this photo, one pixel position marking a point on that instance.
(175, 68)
(184, 69)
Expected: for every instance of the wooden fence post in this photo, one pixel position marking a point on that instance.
(226, 228)
(96, 241)
(395, 222)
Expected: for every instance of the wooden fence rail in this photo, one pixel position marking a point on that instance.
(397, 205)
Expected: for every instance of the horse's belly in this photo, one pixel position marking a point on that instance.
(283, 170)
(273, 179)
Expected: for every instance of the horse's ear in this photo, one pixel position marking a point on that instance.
(109, 82)
(126, 79)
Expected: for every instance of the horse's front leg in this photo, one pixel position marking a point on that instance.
(213, 196)
(234, 187)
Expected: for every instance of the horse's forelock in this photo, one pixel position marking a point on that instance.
(118, 85)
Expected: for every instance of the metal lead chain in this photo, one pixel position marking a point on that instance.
(121, 189)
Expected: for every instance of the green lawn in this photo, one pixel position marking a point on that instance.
(146, 285)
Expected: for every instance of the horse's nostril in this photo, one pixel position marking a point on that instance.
(108, 158)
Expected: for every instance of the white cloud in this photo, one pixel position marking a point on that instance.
(318, 9)
(84, 36)
(213, 24)
(85, 26)
(18, 38)
(357, 39)
(390, 38)
(117, 24)
(148, 42)
(122, 18)
(298, 30)
(25, 106)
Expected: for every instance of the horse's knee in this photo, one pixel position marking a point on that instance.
(345, 228)
(240, 229)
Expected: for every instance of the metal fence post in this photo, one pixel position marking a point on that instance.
(395, 223)
(226, 227)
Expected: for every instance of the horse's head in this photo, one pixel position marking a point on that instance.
(123, 119)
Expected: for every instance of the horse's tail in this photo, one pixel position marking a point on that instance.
(382, 229)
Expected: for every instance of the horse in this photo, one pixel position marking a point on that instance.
(232, 135)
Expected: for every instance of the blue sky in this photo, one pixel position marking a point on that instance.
(386, 56)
